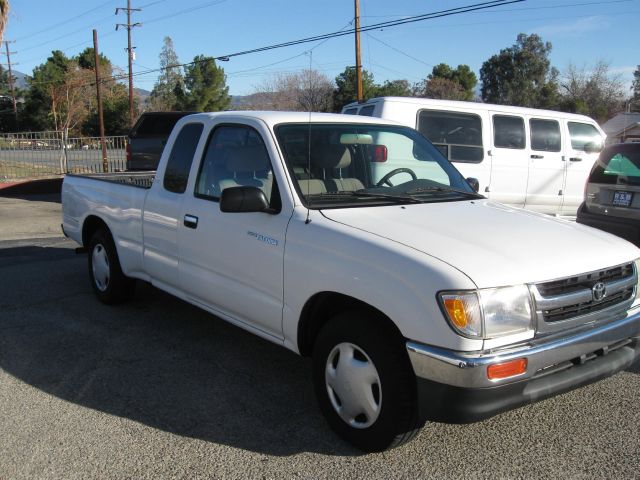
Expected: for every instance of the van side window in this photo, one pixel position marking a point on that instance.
(181, 158)
(458, 136)
(367, 111)
(351, 111)
(582, 134)
(235, 156)
(545, 135)
(508, 132)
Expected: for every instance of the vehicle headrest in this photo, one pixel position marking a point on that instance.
(246, 159)
(331, 156)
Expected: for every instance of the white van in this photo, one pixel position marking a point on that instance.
(524, 157)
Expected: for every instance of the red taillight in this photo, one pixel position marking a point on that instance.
(128, 152)
(379, 153)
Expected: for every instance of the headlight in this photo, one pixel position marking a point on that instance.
(489, 313)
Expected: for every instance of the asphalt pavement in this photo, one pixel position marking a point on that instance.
(157, 388)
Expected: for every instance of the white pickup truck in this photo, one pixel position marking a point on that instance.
(418, 300)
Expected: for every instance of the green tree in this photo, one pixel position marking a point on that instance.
(87, 59)
(40, 97)
(394, 88)
(205, 87)
(345, 91)
(635, 98)
(521, 75)
(462, 75)
(448, 83)
(163, 95)
(7, 117)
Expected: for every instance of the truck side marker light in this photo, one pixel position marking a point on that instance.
(507, 369)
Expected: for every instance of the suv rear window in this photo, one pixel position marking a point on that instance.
(156, 125)
(618, 165)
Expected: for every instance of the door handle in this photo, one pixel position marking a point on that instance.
(575, 159)
(537, 156)
(190, 221)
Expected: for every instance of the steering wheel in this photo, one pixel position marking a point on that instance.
(393, 172)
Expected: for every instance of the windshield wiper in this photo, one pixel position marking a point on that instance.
(394, 198)
(444, 190)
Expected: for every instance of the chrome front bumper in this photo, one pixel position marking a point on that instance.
(546, 356)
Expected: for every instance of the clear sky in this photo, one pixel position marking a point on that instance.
(581, 31)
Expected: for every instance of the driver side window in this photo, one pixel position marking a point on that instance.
(235, 156)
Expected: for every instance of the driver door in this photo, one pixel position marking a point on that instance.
(233, 262)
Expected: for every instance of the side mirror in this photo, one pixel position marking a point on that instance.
(593, 147)
(474, 184)
(243, 200)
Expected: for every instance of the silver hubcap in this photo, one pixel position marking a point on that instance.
(100, 265)
(353, 385)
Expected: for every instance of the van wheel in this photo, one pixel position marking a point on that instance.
(108, 282)
(364, 382)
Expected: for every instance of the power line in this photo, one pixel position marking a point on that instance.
(339, 33)
(64, 22)
(547, 7)
(83, 29)
(185, 11)
(398, 50)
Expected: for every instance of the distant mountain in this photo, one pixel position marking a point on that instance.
(21, 81)
(142, 93)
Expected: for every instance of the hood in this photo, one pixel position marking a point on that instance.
(494, 245)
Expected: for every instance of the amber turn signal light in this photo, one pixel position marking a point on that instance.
(507, 369)
(457, 314)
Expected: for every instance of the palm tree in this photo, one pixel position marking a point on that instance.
(4, 15)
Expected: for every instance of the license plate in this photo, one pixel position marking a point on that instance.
(622, 199)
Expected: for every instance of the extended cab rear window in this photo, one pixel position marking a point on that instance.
(179, 163)
(620, 165)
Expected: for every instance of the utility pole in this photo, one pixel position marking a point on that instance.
(129, 26)
(358, 62)
(105, 161)
(13, 95)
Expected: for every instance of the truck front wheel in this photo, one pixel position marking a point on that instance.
(108, 282)
(364, 382)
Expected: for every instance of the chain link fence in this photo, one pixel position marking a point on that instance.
(46, 154)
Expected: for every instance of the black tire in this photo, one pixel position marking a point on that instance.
(109, 283)
(373, 340)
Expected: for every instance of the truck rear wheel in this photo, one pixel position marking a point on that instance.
(364, 382)
(108, 282)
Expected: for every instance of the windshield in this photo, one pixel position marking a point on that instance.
(338, 165)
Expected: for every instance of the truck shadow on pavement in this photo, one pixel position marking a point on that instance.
(155, 360)
(168, 365)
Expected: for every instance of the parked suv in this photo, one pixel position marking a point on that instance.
(612, 193)
(148, 137)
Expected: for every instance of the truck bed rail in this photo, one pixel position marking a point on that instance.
(135, 179)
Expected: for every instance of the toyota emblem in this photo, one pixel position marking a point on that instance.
(599, 291)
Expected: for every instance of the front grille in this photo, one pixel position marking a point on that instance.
(576, 310)
(579, 282)
(572, 297)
